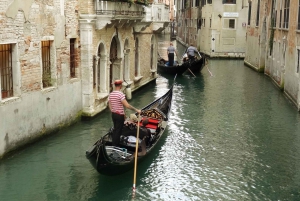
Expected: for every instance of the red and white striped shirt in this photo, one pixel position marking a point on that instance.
(115, 99)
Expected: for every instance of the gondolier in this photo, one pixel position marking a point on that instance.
(116, 102)
(113, 160)
(171, 51)
(191, 52)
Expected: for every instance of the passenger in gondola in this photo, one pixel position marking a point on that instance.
(185, 57)
(116, 103)
(191, 52)
(171, 54)
(145, 130)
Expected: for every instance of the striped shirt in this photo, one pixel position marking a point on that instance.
(115, 99)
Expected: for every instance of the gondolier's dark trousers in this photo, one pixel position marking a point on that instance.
(171, 59)
(118, 120)
(192, 58)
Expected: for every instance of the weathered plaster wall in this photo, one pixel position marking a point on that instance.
(36, 114)
(280, 57)
(34, 111)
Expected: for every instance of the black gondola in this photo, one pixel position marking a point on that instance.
(112, 160)
(195, 66)
(162, 67)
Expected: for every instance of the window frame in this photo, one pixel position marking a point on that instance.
(229, 23)
(6, 70)
(229, 1)
(73, 56)
(257, 13)
(249, 12)
(298, 25)
(286, 14)
(16, 73)
(52, 79)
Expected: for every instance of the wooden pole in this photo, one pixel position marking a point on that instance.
(191, 72)
(136, 153)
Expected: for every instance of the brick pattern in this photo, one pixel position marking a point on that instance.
(28, 27)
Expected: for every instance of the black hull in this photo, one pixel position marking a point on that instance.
(172, 70)
(197, 65)
(101, 154)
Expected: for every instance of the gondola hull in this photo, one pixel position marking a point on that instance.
(172, 70)
(197, 65)
(111, 160)
(194, 66)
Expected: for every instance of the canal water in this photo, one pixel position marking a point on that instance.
(232, 136)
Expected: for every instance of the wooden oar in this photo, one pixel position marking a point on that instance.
(136, 153)
(191, 72)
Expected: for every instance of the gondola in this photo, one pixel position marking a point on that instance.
(187, 65)
(162, 67)
(196, 65)
(111, 160)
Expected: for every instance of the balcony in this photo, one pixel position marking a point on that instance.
(125, 13)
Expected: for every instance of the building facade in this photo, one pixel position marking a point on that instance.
(39, 68)
(217, 28)
(118, 41)
(58, 59)
(273, 43)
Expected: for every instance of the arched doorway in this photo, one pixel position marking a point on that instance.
(101, 70)
(126, 69)
(136, 64)
(115, 61)
(113, 56)
(152, 62)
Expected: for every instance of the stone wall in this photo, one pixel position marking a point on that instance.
(33, 110)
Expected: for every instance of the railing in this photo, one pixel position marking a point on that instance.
(122, 12)
(119, 8)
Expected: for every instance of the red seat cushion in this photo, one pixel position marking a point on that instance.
(152, 121)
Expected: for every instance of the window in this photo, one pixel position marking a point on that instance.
(249, 12)
(286, 14)
(273, 14)
(229, 1)
(257, 13)
(46, 63)
(199, 23)
(136, 65)
(229, 23)
(298, 52)
(196, 3)
(72, 57)
(298, 16)
(6, 70)
(209, 1)
(280, 17)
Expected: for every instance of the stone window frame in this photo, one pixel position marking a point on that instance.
(16, 73)
(53, 70)
(257, 14)
(297, 60)
(101, 66)
(73, 57)
(229, 23)
(286, 14)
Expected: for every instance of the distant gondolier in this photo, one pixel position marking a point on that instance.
(191, 52)
(171, 51)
